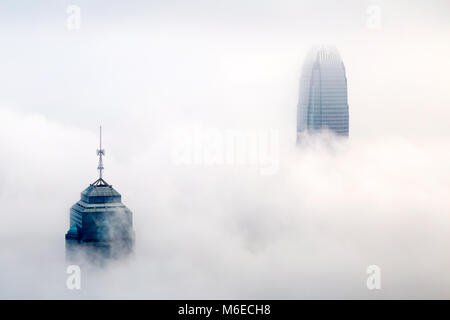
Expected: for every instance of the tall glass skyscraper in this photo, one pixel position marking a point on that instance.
(323, 93)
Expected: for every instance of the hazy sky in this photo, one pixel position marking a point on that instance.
(146, 69)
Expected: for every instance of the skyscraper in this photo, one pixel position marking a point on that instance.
(323, 93)
(100, 225)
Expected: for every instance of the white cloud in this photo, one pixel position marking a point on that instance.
(335, 207)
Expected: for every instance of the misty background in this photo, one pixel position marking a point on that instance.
(144, 70)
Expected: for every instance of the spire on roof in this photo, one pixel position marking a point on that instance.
(100, 168)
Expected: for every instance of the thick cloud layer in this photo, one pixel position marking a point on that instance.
(309, 231)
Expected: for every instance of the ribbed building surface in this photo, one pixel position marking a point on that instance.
(323, 93)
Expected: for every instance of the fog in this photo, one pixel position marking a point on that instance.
(309, 229)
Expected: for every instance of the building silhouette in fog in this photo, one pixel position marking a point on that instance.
(323, 93)
(101, 226)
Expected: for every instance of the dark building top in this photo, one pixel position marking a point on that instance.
(323, 93)
(100, 192)
(100, 217)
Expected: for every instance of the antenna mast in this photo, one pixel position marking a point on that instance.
(100, 153)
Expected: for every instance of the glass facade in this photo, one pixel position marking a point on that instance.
(323, 93)
(101, 226)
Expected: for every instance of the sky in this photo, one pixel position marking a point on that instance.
(158, 75)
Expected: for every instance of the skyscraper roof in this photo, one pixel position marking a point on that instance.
(324, 54)
(100, 217)
(100, 193)
(323, 93)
